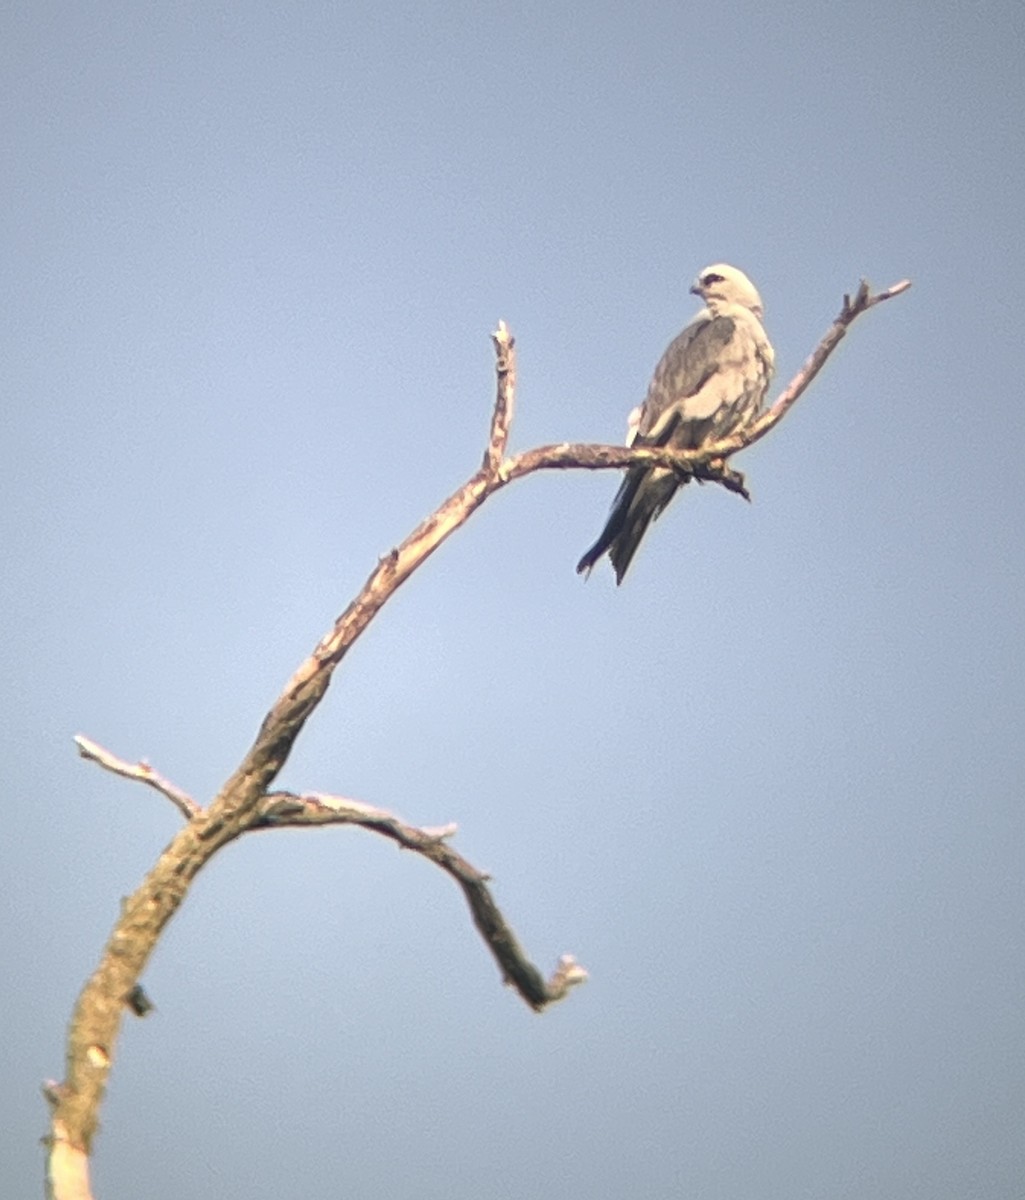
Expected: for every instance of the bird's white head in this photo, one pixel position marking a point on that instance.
(721, 285)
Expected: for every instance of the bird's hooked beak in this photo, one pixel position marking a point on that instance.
(695, 289)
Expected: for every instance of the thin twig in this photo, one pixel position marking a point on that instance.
(141, 771)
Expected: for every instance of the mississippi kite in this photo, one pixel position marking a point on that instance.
(710, 383)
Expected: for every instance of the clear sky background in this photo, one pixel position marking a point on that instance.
(769, 791)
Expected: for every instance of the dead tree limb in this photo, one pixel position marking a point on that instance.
(283, 808)
(245, 802)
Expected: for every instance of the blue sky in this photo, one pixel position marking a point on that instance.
(769, 791)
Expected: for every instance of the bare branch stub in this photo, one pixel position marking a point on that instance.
(502, 415)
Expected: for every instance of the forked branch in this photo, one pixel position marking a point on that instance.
(245, 802)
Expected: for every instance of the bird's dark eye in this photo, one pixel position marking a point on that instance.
(712, 278)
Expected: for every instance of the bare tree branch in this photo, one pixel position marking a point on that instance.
(862, 302)
(285, 808)
(701, 463)
(140, 771)
(96, 1020)
(244, 803)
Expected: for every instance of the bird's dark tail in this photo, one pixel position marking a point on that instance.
(591, 556)
(615, 523)
(640, 499)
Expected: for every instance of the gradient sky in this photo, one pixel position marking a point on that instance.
(769, 791)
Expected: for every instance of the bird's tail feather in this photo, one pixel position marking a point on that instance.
(647, 506)
(641, 498)
(614, 524)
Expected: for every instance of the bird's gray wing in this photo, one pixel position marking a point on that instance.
(690, 361)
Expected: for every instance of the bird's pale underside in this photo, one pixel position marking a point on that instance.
(710, 382)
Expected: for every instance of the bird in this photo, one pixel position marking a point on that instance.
(710, 382)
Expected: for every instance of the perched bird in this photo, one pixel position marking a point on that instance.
(710, 382)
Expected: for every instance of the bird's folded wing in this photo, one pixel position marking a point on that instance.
(690, 361)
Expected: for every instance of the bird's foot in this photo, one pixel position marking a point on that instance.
(717, 471)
